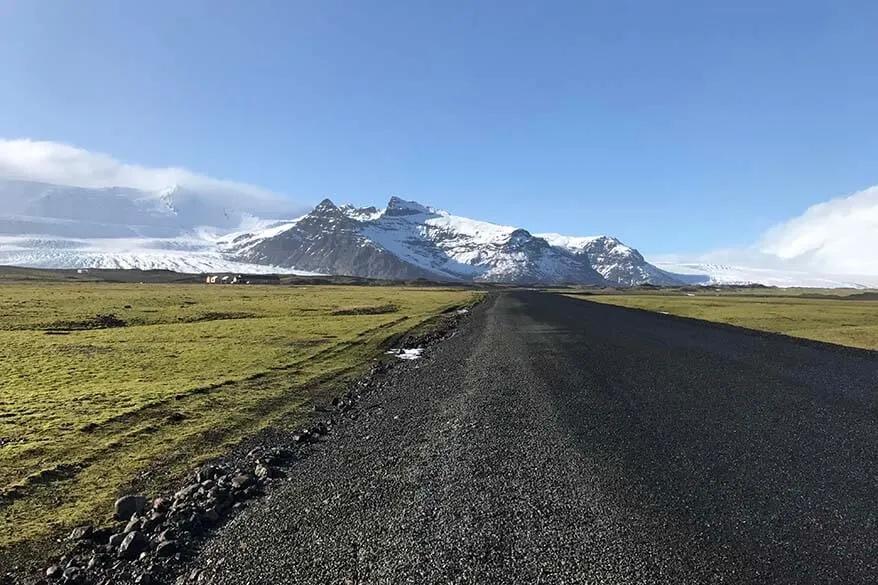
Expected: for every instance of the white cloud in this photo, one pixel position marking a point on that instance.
(61, 164)
(830, 244)
(839, 236)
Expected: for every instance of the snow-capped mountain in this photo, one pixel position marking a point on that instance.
(220, 229)
(410, 240)
(62, 206)
(613, 260)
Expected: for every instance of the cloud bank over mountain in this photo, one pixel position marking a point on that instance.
(62, 164)
(840, 235)
(831, 244)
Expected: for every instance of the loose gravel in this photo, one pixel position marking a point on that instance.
(553, 440)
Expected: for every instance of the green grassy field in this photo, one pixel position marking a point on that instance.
(88, 412)
(832, 319)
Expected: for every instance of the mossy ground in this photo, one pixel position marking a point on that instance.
(87, 413)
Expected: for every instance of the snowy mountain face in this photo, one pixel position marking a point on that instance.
(327, 241)
(226, 227)
(410, 240)
(614, 260)
(192, 230)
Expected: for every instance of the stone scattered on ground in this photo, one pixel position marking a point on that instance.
(133, 544)
(54, 572)
(82, 532)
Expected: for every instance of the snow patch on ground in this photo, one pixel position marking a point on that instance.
(407, 354)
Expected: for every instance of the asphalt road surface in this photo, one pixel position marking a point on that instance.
(555, 440)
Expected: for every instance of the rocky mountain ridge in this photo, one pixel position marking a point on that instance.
(200, 229)
(411, 240)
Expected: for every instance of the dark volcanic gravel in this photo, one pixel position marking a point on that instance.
(553, 440)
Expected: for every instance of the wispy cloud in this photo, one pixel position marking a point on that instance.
(62, 164)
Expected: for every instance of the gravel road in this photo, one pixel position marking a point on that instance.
(554, 440)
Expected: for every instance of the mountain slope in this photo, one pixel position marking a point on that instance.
(410, 240)
(201, 230)
(614, 260)
(326, 240)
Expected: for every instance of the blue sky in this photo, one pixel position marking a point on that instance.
(677, 126)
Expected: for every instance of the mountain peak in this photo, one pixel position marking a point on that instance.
(520, 234)
(325, 206)
(325, 213)
(399, 207)
(607, 240)
(521, 239)
(360, 213)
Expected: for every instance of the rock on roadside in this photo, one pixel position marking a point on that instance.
(126, 506)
